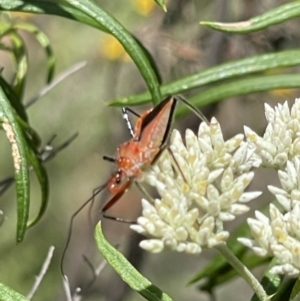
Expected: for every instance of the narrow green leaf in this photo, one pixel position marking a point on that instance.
(221, 72)
(162, 4)
(127, 272)
(126, 39)
(13, 99)
(295, 295)
(89, 13)
(8, 294)
(19, 149)
(20, 55)
(270, 282)
(275, 16)
(50, 8)
(44, 42)
(42, 177)
(242, 87)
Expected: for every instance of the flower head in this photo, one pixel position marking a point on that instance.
(281, 140)
(277, 236)
(201, 186)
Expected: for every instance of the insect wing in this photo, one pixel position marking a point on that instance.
(156, 124)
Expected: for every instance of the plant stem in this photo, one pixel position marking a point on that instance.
(243, 271)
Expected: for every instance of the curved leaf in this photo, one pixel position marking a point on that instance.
(127, 272)
(19, 151)
(272, 17)
(8, 294)
(20, 55)
(42, 177)
(162, 4)
(270, 282)
(242, 87)
(221, 72)
(45, 43)
(126, 39)
(89, 11)
(51, 8)
(13, 99)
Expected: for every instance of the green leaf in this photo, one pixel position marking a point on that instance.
(50, 8)
(126, 39)
(88, 12)
(8, 294)
(20, 55)
(162, 4)
(13, 99)
(272, 17)
(44, 42)
(270, 282)
(295, 295)
(127, 272)
(221, 72)
(43, 181)
(242, 87)
(19, 151)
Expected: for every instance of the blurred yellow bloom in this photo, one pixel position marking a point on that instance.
(22, 16)
(111, 49)
(143, 7)
(284, 93)
(281, 93)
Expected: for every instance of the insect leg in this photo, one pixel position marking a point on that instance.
(167, 147)
(113, 200)
(144, 191)
(125, 111)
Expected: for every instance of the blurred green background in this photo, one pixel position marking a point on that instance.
(180, 46)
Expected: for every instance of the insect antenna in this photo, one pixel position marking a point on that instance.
(109, 159)
(96, 192)
(193, 108)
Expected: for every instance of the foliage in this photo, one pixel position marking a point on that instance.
(234, 78)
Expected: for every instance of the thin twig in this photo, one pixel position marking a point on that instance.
(46, 154)
(55, 82)
(95, 271)
(2, 218)
(67, 288)
(42, 273)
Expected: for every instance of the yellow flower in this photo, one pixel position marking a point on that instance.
(22, 16)
(111, 49)
(143, 7)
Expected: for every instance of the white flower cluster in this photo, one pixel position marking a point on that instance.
(201, 185)
(281, 141)
(279, 235)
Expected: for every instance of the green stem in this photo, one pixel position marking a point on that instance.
(244, 272)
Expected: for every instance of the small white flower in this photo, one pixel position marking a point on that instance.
(277, 236)
(289, 195)
(204, 188)
(281, 141)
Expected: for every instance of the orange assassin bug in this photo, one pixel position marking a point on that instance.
(149, 138)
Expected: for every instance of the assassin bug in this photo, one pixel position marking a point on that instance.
(149, 138)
